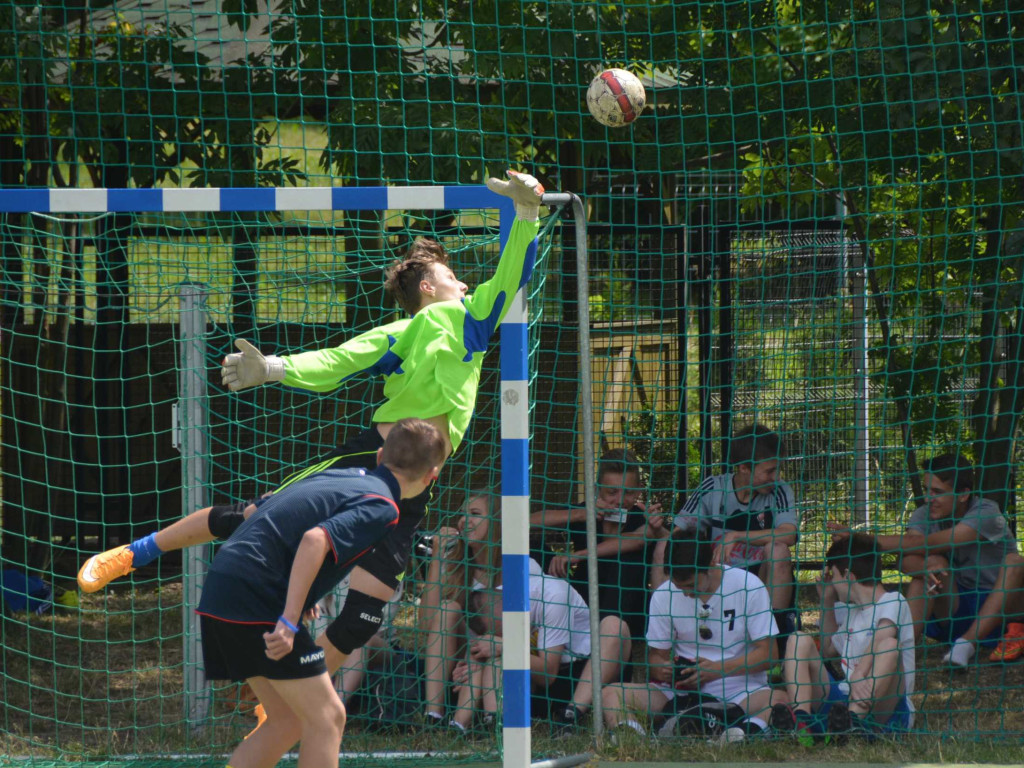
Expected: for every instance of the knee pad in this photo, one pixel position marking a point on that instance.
(225, 518)
(360, 618)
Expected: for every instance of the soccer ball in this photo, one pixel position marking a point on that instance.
(616, 98)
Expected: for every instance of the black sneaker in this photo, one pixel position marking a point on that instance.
(782, 719)
(566, 722)
(839, 724)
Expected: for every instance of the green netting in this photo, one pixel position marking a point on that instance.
(815, 227)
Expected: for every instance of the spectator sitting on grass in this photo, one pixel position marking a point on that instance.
(871, 632)
(465, 558)
(560, 666)
(624, 540)
(967, 573)
(710, 635)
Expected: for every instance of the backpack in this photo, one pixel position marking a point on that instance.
(395, 692)
(20, 592)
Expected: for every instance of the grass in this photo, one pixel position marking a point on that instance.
(106, 680)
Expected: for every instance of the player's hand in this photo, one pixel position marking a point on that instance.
(279, 642)
(313, 613)
(726, 544)
(460, 675)
(824, 585)
(661, 673)
(524, 190)
(561, 566)
(701, 673)
(935, 581)
(485, 647)
(249, 367)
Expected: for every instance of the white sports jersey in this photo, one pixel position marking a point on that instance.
(558, 616)
(735, 616)
(856, 627)
(715, 501)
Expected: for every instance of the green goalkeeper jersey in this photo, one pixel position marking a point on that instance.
(430, 362)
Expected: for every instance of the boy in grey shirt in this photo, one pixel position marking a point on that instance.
(967, 573)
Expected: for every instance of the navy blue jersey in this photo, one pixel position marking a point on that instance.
(248, 580)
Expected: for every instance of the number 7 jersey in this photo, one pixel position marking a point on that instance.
(722, 626)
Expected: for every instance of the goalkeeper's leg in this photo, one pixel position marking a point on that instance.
(212, 523)
(200, 527)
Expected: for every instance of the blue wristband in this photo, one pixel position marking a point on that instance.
(288, 624)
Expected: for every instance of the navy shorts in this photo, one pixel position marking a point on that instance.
(949, 629)
(234, 651)
(898, 722)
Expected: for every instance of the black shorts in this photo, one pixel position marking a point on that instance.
(559, 692)
(233, 651)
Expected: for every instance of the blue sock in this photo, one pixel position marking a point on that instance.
(144, 551)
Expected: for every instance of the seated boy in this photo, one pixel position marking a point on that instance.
(624, 546)
(560, 665)
(871, 633)
(710, 633)
(288, 555)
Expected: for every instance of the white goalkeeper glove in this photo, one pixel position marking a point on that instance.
(249, 367)
(524, 190)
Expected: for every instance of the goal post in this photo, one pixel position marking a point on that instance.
(191, 429)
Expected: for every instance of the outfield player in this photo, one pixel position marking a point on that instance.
(431, 367)
(871, 633)
(753, 517)
(296, 548)
(709, 632)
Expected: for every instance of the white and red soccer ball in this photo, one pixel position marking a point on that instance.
(616, 98)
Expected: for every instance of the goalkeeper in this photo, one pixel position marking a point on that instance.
(431, 368)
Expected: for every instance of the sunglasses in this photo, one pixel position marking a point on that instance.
(704, 631)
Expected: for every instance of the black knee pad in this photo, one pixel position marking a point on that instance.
(360, 618)
(225, 518)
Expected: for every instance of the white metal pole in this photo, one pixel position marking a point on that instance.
(193, 446)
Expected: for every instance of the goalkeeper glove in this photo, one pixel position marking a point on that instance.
(249, 367)
(524, 190)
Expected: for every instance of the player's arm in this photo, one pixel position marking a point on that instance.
(319, 371)
(755, 659)
(660, 637)
(785, 534)
(434, 582)
(490, 302)
(309, 557)
(915, 542)
(659, 661)
(829, 621)
(557, 518)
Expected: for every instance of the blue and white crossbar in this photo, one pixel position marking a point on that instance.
(249, 199)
